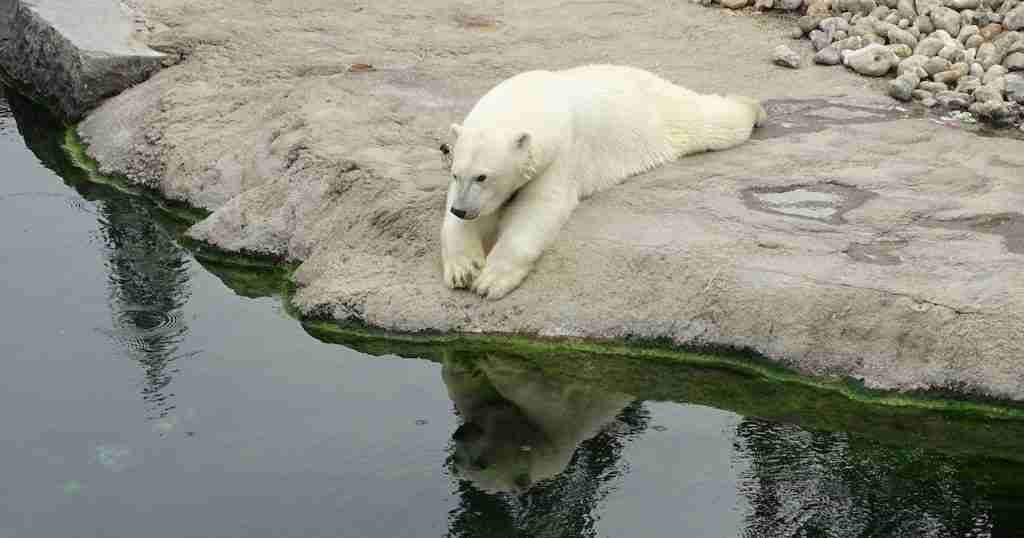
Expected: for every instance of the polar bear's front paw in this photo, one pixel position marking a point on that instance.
(461, 271)
(497, 280)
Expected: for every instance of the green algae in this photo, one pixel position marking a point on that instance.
(742, 382)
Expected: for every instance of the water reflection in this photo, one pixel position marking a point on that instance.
(147, 270)
(534, 455)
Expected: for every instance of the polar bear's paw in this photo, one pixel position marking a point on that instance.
(497, 280)
(461, 271)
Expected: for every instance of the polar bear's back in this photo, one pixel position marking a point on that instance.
(608, 122)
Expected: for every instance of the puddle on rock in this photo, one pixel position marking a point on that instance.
(797, 116)
(1008, 225)
(824, 202)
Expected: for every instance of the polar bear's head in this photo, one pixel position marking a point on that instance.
(488, 167)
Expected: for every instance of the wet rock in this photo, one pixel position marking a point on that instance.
(953, 99)
(929, 46)
(934, 87)
(1015, 88)
(1014, 62)
(784, 56)
(829, 55)
(936, 65)
(902, 87)
(899, 35)
(946, 19)
(873, 60)
(820, 40)
(1014, 20)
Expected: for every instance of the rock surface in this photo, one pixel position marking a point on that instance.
(321, 146)
(72, 53)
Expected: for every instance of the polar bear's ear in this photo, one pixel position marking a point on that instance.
(456, 129)
(523, 141)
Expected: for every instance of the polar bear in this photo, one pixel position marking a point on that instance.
(539, 142)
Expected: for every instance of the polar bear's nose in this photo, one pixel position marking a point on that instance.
(459, 213)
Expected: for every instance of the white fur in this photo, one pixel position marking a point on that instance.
(586, 129)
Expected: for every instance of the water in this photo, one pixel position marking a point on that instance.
(144, 393)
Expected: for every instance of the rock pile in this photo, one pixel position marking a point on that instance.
(960, 54)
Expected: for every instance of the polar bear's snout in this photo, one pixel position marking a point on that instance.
(461, 213)
(466, 203)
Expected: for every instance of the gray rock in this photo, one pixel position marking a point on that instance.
(873, 60)
(936, 65)
(898, 35)
(1014, 62)
(911, 64)
(953, 99)
(924, 24)
(1014, 20)
(986, 94)
(934, 87)
(820, 40)
(906, 9)
(829, 55)
(902, 87)
(808, 23)
(963, 4)
(952, 53)
(968, 84)
(974, 41)
(946, 19)
(784, 56)
(929, 46)
(1015, 88)
(994, 72)
(924, 7)
(72, 55)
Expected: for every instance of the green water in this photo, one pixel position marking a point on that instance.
(150, 391)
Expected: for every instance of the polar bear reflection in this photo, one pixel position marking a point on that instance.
(519, 426)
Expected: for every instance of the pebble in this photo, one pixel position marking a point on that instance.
(784, 56)
(986, 94)
(820, 39)
(900, 50)
(735, 4)
(828, 56)
(906, 9)
(924, 24)
(902, 87)
(880, 13)
(929, 46)
(1014, 62)
(851, 43)
(968, 84)
(953, 99)
(934, 87)
(946, 19)
(873, 60)
(967, 31)
(904, 23)
(952, 53)
(808, 23)
(921, 95)
(936, 65)
(995, 111)
(899, 35)
(929, 102)
(789, 5)
(974, 41)
(892, 18)
(963, 4)
(763, 4)
(947, 77)
(924, 7)
(988, 32)
(993, 72)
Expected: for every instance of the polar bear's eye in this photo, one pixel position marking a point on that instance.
(481, 178)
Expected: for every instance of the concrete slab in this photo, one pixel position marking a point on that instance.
(71, 54)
